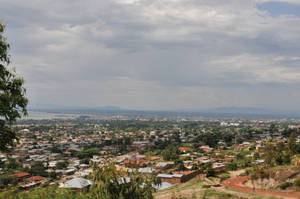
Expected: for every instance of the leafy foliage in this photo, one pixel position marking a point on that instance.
(38, 169)
(109, 184)
(297, 182)
(275, 154)
(87, 153)
(285, 185)
(12, 96)
(62, 165)
(170, 153)
(232, 166)
(207, 169)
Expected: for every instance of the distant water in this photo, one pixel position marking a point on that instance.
(39, 115)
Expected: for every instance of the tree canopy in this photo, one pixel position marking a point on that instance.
(12, 96)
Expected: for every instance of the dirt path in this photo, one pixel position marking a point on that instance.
(236, 183)
(239, 194)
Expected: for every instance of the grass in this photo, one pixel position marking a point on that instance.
(193, 190)
(219, 195)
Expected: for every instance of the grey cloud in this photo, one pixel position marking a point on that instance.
(153, 54)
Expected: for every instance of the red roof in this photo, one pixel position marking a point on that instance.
(20, 174)
(185, 149)
(35, 178)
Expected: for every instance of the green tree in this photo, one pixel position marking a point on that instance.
(89, 153)
(256, 156)
(62, 165)
(12, 164)
(170, 153)
(6, 180)
(297, 182)
(207, 169)
(38, 169)
(269, 152)
(179, 165)
(12, 96)
(232, 166)
(55, 150)
(292, 146)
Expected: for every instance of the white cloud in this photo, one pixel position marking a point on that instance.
(153, 54)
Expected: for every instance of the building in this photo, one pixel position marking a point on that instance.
(77, 184)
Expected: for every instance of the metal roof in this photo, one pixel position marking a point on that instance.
(77, 183)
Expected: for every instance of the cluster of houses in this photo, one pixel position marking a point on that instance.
(27, 181)
(52, 147)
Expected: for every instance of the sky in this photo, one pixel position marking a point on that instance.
(156, 54)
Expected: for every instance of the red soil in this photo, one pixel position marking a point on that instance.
(237, 184)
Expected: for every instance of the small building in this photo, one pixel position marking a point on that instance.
(185, 149)
(146, 170)
(77, 184)
(219, 167)
(206, 148)
(21, 175)
(171, 178)
(178, 176)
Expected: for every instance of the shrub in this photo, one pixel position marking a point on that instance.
(87, 153)
(297, 182)
(232, 166)
(285, 185)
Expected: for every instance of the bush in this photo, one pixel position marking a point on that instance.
(170, 153)
(38, 169)
(232, 166)
(85, 161)
(285, 185)
(62, 165)
(297, 182)
(87, 153)
(5, 180)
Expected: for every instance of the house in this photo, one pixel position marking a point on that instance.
(32, 182)
(185, 149)
(259, 161)
(20, 176)
(219, 167)
(146, 170)
(153, 158)
(35, 179)
(187, 175)
(206, 148)
(77, 184)
(178, 176)
(163, 165)
(170, 178)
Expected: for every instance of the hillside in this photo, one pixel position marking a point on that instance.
(194, 189)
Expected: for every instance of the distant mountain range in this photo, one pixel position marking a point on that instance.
(213, 112)
(242, 110)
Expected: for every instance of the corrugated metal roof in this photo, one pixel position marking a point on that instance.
(169, 175)
(163, 185)
(77, 183)
(146, 170)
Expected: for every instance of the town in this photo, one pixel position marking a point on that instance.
(62, 151)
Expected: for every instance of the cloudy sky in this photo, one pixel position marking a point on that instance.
(156, 54)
